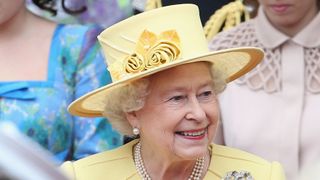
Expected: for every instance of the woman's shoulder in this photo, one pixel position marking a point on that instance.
(239, 35)
(225, 151)
(115, 164)
(227, 160)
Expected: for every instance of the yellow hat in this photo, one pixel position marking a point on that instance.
(154, 41)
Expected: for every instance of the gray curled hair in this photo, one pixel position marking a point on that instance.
(132, 96)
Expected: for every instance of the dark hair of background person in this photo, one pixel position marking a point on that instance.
(252, 7)
(207, 8)
(49, 5)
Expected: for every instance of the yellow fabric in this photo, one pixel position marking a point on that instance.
(152, 4)
(118, 165)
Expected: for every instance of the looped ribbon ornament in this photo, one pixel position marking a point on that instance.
(151, 51)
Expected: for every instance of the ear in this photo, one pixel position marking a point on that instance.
(133, 119)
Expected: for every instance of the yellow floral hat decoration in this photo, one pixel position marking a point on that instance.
(154, 41)
(151, 51)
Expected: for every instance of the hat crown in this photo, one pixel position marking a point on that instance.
(120, 41)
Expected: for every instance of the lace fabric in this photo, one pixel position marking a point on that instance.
(312, 69)
(267, 75)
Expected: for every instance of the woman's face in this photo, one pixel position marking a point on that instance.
(8, 9)
(289, 13)
(180, 114)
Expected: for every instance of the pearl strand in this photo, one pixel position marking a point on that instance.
(195, 174)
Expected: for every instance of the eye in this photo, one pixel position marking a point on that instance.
(206, 95)
(177, 98)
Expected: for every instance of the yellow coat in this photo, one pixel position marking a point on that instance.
(118, 164)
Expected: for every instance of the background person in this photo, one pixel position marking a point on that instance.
(278, 101)
(43, 67)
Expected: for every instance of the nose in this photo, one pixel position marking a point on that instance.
(195, 110)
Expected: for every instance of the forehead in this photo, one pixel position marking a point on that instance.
(183, 75)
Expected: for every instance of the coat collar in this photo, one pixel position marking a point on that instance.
(309, 36)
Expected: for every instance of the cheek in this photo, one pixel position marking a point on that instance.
(213, 115)
(161, 121)
(262, 2)
(160, 131)
(212, 129)
(213, 112)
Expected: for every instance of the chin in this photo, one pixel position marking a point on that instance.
(192, 153)
(191, 148)
(283, 21)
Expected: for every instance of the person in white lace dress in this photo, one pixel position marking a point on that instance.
(279, 100)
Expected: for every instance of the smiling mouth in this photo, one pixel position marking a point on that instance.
(192, 134)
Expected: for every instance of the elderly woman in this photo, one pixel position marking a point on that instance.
(164, 92)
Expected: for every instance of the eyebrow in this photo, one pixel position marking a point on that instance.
(180, 89)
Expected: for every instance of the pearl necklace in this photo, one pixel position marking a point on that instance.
(195, 175)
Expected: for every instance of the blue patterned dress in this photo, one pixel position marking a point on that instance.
(39, 108)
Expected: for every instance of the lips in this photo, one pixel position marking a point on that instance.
(280, 8)
(193, 134)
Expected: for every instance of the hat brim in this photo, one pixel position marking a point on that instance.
(234, 62)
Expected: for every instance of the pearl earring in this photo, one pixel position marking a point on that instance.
(135, 131)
